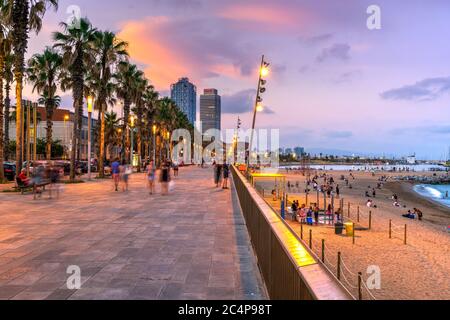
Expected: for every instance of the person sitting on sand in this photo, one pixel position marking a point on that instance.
(409, 215)
(396, 204)
(369, 203)
(418, 213)
(367, 194)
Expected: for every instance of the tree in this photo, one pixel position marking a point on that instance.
(5, 45)
(44, 71)
(109, 51)
(112, 126)
(76, 44)
(24, 15)
(127, 78)
(9, 78)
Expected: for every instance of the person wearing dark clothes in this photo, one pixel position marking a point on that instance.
(226, 175)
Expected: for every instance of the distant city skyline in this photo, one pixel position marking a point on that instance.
(334, 83)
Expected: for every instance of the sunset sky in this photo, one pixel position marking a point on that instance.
(334, 84)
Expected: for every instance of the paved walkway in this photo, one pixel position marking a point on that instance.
(191, 244)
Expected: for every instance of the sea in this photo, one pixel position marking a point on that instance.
(365, 167)
(435, 192)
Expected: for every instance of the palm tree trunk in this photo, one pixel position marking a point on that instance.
(80, 129)
(77, 80)
(2, 145)
(6, 116)
(125, 135)
(20, 18)
(49, 110)
(101, 166)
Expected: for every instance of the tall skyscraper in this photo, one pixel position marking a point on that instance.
(184, 93)
(210, 110)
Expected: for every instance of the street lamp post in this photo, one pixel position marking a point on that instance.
(89, 101)
(263, 72)
(28, 105)
(154, 144)
(132, 140)
(35, 106)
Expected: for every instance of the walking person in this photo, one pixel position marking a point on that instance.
(125, 172)
(226, 175)
(217, 174)
(151, 177)
(115, 171)
(164, 179)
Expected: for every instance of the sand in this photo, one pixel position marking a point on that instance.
(418, 270)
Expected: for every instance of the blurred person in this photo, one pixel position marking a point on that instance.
(226, 175)
(164, 178)
(115, 171)
(151, 177)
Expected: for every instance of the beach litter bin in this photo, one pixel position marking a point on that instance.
(338, 228)
(349, 229)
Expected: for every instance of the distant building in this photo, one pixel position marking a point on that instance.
(287, 151)
(62, 129)
(184, 93)
(411, 159)
(210, 110)
(299, 152)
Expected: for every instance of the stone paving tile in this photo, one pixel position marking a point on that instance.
(192, 244)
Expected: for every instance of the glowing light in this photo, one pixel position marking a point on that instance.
(154, 129)
(259, 107)
(66, 117)
(264, 72)
(90, 102)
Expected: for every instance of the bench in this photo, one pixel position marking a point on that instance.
(21, 187)
(42, 185)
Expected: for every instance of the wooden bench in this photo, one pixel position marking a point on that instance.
(21, 187)
(42, 185)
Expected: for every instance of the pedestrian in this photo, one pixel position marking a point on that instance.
(165, 179)
(338, 190)
(115, 171)
(217, 174)
(316, 215)
(175, 169)
(226, 174)
(125, 172)
(374, 193)
(151, 177)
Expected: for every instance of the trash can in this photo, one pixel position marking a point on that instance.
(349, 229)
(338, 228)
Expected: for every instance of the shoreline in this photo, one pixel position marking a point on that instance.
(405, 191)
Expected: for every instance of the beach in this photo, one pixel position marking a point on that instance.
(418, 270)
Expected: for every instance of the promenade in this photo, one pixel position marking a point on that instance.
(192, 244)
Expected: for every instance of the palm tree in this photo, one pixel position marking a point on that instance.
(127, 79)
(112, 126)
(5, 45)
(76, 45)
(109, 51)
(24, 16)
(9, 78)
(44, 71)
(150, 100)
(141, 87)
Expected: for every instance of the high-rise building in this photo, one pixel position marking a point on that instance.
(210, 110)
(184, 93)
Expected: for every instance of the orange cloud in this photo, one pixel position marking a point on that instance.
(173, 48)
(268, 18)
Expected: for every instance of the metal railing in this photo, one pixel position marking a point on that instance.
(288, 268)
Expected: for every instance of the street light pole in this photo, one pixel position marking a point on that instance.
(28, 105)
(255, 110)
(35, 106)
(89, 135)
(154, 145)
(132, 141)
